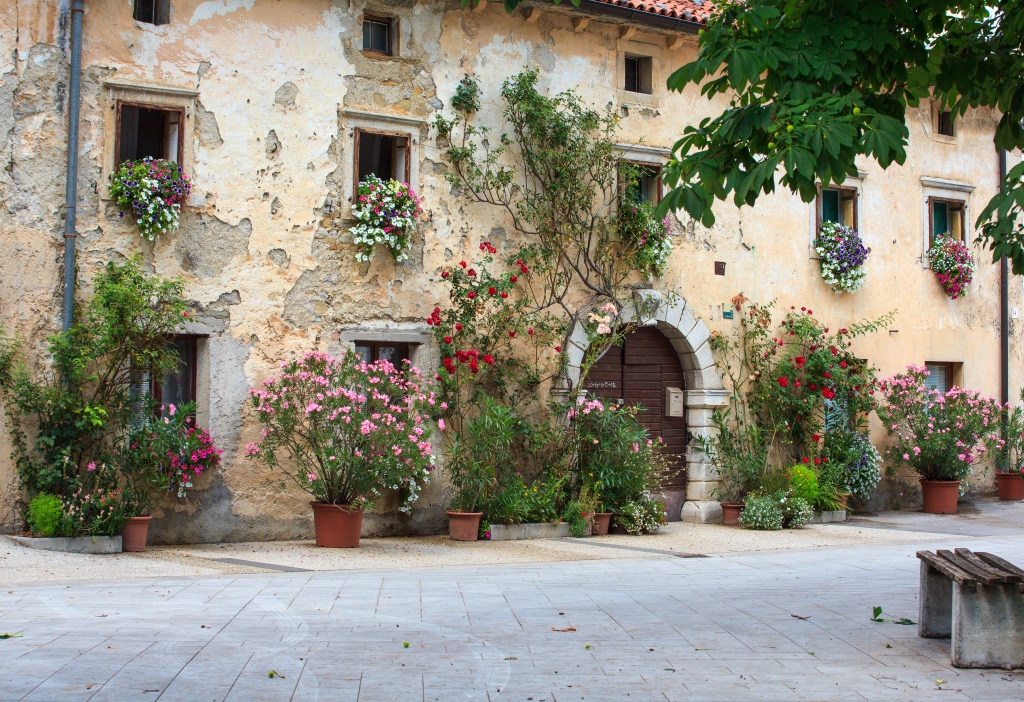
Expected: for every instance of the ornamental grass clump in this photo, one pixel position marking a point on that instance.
(153, 191)
(387, 212)
(841, 255)
(938, 434)
(350, 429)
(954, 268)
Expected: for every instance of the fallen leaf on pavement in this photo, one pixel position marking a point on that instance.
(568, 628)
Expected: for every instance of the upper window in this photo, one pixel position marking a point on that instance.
(945, 217)
(152, 11)
(642, 182)
(149, 131)
(837, 205)
(377, 35)
(946, 123)
(373, 351)
(639, 74)
(383, 155)
(178, 386)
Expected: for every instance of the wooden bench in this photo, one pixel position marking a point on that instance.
(976, 600)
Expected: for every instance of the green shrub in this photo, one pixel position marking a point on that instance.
(44, 515)
(796, 511)
(761, 513)
(803, 483)
(642, 515)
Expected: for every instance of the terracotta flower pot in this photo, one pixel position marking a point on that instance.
(464, 526)
(731, 513)
(337, 526)
(133, 536)
(602, 520)
(940, 496)
(1011, 485)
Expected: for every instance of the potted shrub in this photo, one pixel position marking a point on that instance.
(351, 430)
(1010, 455)
(939, 435)
(739, 454)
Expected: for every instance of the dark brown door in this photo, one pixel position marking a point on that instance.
(638, 373)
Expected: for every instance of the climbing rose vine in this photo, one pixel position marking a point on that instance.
(954, 268)
(387, 214)
(351, 429)
(841, 254)
(153, 191)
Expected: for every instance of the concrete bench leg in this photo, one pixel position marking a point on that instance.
(935, 617)
(988, 626)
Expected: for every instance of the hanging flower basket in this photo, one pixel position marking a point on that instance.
(387, 214)
(153, 191)
(841, 254)
(954, 268)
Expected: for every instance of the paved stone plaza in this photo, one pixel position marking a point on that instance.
(791, 625)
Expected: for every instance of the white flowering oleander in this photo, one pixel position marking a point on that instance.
(387, 214)
(841, 255)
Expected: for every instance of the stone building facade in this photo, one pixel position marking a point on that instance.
(262, 102)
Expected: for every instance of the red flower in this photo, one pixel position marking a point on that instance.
(513, 278)
(471, 294)
(796, 383)
(473, 366)
(806, 460)
(446, 274)
(489, 360)
(827, 374)
(784, 382)
(471, 273)
(504, 296)
(184, 314)
(817, 461)
(458, 327)
(834, 350)
(816, 437)
(810, 312)
(462, 263)
(492, 290)
(530, 331)
(799, 361)
(843, 364)
(447, 340)
(813, 386)
(511, 334)
(824, 459)
(828, 393)
(558, 349)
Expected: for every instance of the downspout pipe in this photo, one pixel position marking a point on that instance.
(1004, 307)
(71, 183)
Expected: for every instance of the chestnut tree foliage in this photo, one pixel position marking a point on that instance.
(815, 84)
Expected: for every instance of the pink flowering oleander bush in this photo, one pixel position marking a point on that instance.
(939, 435)
(387, 212)
(350, 429)
(954, 268)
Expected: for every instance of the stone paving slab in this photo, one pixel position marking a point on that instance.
(660, 628)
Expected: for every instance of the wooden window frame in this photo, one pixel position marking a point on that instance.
(962, 204)
(951, 122)
(392, 24)
(642, 164)
(149, 106)
(954, 370)
(156, 13)
(840, 189)
(375, 347)
(358, 132)
(156, 388)
(643, 61)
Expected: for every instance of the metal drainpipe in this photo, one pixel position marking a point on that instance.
(71, 186)
(1004, 307)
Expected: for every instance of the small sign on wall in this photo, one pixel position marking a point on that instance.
(674, 402)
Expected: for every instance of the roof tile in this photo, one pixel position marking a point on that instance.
(691, 10)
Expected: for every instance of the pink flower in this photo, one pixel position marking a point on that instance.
(91, 467)
(440, 424)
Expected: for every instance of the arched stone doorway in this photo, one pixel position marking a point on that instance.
(702, 382)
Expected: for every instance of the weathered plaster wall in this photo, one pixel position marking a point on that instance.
(265, 250)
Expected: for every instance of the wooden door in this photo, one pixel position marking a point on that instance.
(638, 373)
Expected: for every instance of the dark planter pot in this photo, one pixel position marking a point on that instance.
(133, 536)
(336, 526)
(602, 520)
(464, 526)
(1011, 486)
(940, 496)
(731, 513)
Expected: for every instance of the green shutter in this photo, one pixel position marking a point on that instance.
(830, 206)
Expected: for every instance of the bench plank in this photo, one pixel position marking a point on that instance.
(970, 561)
(982, 576)
(948, 568)
(997, 561)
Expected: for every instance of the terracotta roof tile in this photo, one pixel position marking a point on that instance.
(691, 10)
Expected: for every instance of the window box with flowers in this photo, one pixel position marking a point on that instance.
(152, 191)
(841, 254)
(953, 265)
(648, 239)
(387, 212)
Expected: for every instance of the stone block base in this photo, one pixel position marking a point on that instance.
(701, 512)
(81, 544)
(519, 532)
(829, 517)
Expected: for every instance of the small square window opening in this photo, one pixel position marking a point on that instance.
(942, 376)
(373, 351)
(148, 131)
(383, 155)
(178, 386)
(152, 11)
(377, 35)
(838, 205)
(945, 217)
(642, 182)
(639, 74)
(946, 123)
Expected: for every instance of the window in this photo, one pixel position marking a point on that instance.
(837, 205)
(945, 217)
(377, 35)
(639, 74)
(942, 376)
(178, 386)
(383, 155)
(149, 130)
(152, 11)
(642, 182)
(373, 351)
(946, 124)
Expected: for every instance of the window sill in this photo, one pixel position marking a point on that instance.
(627, 98)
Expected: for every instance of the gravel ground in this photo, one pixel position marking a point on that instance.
(20, 565)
